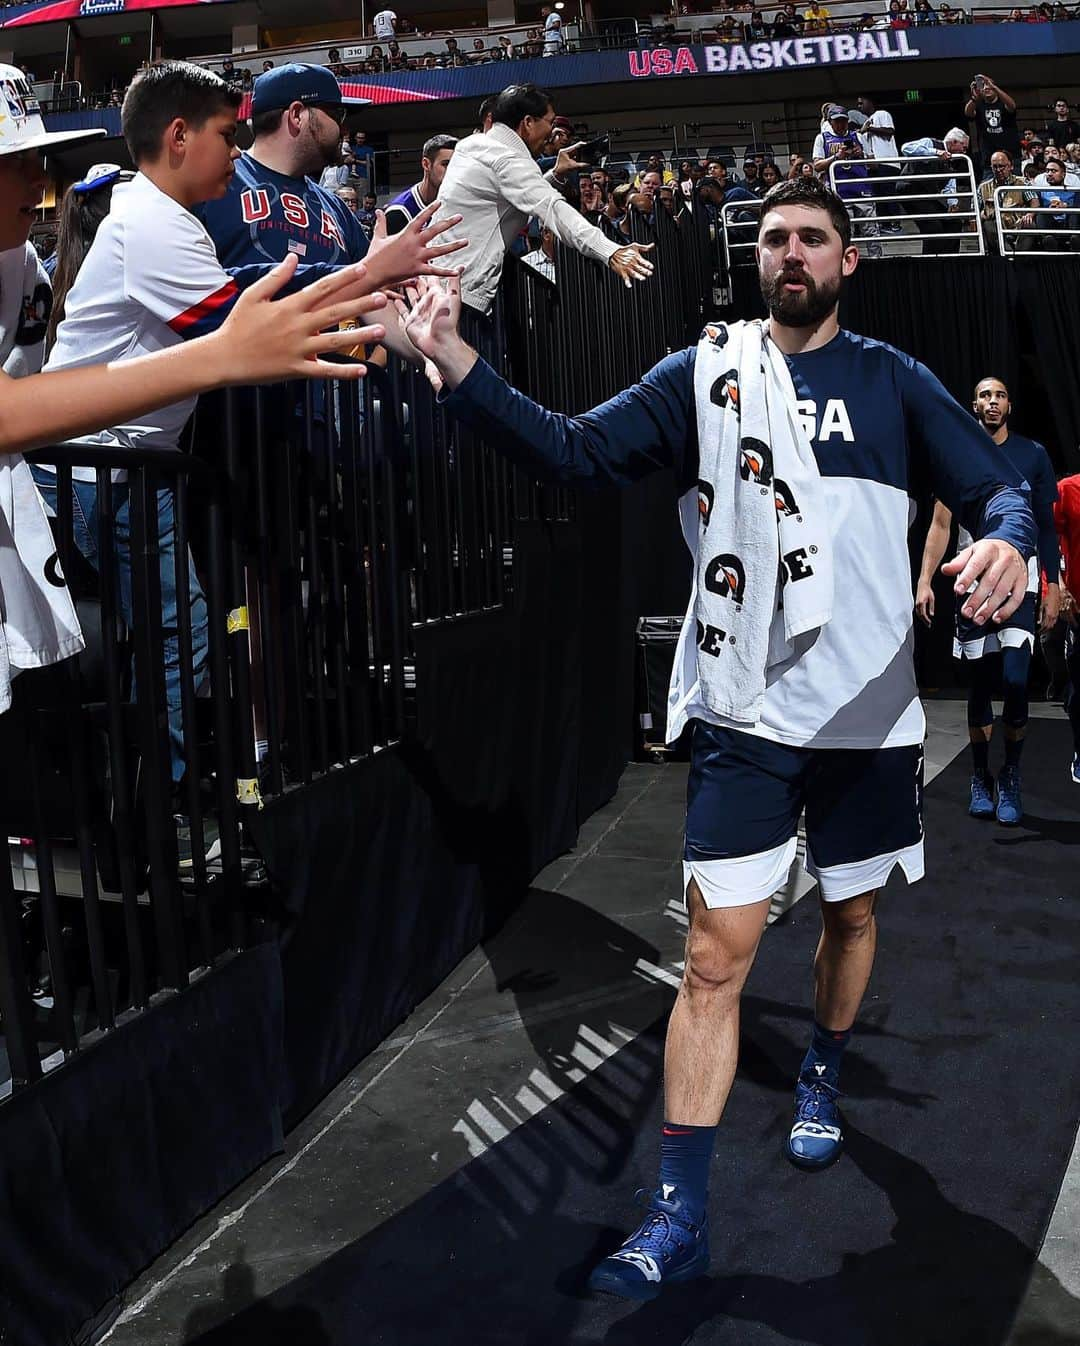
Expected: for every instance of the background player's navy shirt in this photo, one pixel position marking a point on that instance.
(883, 429)
(1033, 463)
(266, 215)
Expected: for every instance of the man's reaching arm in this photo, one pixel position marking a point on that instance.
(646, 428)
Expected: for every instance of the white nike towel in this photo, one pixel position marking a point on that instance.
(764, 577)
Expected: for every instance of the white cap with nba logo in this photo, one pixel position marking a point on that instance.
(21, 126)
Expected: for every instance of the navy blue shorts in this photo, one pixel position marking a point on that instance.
(744, 798)
(972, 642)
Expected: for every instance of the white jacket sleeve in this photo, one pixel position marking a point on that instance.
(524, 187)
(918, 149)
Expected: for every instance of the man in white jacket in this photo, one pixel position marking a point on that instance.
(495, 184)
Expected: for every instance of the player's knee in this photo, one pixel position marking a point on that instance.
(849, 922)
(713, 966)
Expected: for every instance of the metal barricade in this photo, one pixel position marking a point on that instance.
(942, 203)
(740, 221)
(1037, 229)
(313, 529)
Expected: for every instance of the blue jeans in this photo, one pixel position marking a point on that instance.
(85, 527)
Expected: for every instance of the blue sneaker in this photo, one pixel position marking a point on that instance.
(982, 795)
(1074, 770)
(817, 1133)
(1009, 808)
(666, 1248)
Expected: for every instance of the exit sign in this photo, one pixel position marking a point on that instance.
(912, 95)
(125, 41)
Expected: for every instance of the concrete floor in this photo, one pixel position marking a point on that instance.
(491, 1047)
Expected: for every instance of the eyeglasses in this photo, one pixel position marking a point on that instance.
(337, 112)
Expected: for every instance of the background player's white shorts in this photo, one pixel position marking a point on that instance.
(745, 794)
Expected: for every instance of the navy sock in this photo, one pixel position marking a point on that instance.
(685, 1154)
(980, 752)
(1013, 748)
(826, 1049)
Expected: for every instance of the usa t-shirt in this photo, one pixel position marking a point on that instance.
(150, 280)
(266, 215)
(883, 430)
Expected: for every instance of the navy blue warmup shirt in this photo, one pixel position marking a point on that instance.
(883, 430)
(265, 215)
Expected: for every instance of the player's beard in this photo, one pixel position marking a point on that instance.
(799, 310)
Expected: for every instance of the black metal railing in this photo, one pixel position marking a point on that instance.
(319, 527)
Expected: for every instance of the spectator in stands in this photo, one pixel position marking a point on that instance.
(840, 149)
(947, 14)
(615, 211)
(554, 41)
(1015, 16)
(591, 200)
(1014, 204)
(1036, 14)
(334, 176)
(85, 205)
(784, 24)
(601, 181)
(994, 113)
(769, 176)
(641, 204)
(1062, 129)
(384, 24)
(267, 65)
(877, 135)
(434, 161)
(364, 156)
(649, 183)
(937, 156)
(479, 51)
(750, 174)
(542, 259)
(229, 72)
(816, 18)
(366, 216)
(1054, 192)
(496, 186)
(655, 165)
(507, 47)
(925, 14)
(725, 191)
(348, 198)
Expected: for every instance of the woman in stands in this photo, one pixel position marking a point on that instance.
(85, 205)
(925, 15)
(770, 175)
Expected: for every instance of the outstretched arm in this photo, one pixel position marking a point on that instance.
(937, 539)
(648, 427)
(260, 342)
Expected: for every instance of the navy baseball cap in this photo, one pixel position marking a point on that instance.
(295, 83)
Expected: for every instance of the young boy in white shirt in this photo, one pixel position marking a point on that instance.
(151, 280)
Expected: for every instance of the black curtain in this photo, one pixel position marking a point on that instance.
(1049, 312)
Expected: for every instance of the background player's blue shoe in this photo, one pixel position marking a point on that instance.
(816, 1137)
(982, 795)
(1074, 770)
(666, 1248)
(1009, 807)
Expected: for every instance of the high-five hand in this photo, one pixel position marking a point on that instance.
(413, 252)
(999, 574)
(430, 318)
(631, 263)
